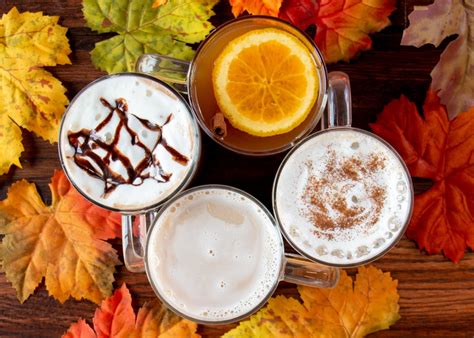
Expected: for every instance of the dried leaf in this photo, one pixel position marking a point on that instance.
(342, 27)
(348, 310)
(142, 29)
(441, 150)
(453, 76)
(256, 7)
(63, 242)
(116, 318)
(30, 96)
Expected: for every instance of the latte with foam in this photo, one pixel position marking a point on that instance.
(128, 142)
(214, 254)
(343, 197)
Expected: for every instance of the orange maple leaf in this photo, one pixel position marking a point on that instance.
(63, 242)
(441, 150)
(342, 26)
(116, 318)
(256, 7)
(348, 310)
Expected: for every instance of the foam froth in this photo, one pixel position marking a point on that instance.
(343, 197)
(214, 255)
(121, 138)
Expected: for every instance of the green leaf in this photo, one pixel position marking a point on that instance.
(142, 29)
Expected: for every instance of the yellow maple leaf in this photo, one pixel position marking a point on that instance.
(256, 7)
(348, 310)
(155, 320)
(63, 242)
(30, 97)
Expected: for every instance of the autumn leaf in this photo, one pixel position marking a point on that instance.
(256, 7)
(443, 151)
(116, 318)
(30, 97)
(348, 310)
(141, 29)
(63, 242)
(80, 330)
(342, 27)
(453, 76)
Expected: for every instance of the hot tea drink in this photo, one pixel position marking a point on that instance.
(214, 255)
(269, 112)
(127, 142)
(343, 197)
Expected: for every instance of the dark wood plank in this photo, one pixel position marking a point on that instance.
(436, 296)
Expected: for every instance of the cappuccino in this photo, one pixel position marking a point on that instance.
(343, 197)
(127, 142)
(214, 254)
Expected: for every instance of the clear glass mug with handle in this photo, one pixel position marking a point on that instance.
(128, 142)
(214, 255)
(342, 196)
(195, 79)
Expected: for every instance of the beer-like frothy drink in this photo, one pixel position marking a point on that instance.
(127, 142)
(214, 255)
(343, 197)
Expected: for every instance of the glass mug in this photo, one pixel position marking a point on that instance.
(129, 142)
(215, 255)
(343, 196)
(195, 79)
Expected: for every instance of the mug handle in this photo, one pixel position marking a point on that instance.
(133, 244)
(170, 70)
(339, 105)
(300, 270)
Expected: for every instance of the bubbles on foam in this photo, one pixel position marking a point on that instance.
(378, 243)
(394, 223)
(322, 250)
(337, 253)
(266, 275)
(363, 250)
(401, 186)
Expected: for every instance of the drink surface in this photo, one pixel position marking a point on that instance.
(127, 142)
(343, 197)
(214, 255)
(205, 103)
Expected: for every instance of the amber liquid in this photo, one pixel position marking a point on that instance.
(205, 105)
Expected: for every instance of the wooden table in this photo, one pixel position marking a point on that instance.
(436, 295)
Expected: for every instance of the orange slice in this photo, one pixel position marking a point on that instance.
(265, 82)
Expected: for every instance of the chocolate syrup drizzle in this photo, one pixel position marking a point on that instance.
(85, 141)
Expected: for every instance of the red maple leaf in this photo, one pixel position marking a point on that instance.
(441, 150)
(342, 26)
(116, 318)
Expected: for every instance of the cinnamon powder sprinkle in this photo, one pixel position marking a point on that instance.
(326, 201)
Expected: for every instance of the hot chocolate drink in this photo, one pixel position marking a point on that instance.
(127, 142)
(214, 254)
(343, 197)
